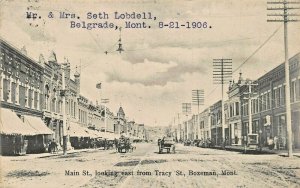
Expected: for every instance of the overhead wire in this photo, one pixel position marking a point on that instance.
(248, 58)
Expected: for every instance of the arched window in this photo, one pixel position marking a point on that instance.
(53, 101)
(46, 97)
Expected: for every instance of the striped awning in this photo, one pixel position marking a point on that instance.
(75, 130)
(11, 124)
(37, 124)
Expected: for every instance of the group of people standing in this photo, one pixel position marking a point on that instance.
(52, 146)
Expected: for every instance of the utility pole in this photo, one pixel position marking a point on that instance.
(286, 17)
(187, 109)
(249, 83)
(222, 74)
(63, 93)
(179, 126)
(198, 99)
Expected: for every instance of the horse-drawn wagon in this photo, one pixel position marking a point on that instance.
(166, 144)
(124, 145)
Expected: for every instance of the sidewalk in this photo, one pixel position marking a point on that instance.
(265, 150)
(45, 155)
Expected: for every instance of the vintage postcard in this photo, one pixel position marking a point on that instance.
(149, 93)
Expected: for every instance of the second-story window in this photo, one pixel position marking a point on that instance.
(237, 108)
(293, 91)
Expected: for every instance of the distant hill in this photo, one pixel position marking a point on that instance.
(156, 132)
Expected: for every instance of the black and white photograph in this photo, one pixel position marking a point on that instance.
(149, 93)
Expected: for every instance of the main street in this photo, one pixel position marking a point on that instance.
(144, 167)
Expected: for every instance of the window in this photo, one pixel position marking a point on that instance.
(281, 126)
(67, 107)
(72, 108)
(263, 102)
(30, 98)
(245, 128)
(53, 105)
(35, 100)
(21, 96)
(5, 89)
(74, 112)
(79, 115)
(47, 97)
(298, 91)
(268, 100)
(282, 96)
(274, 99)
(245, 106)
(278, 94)
(255, 126)
(237, 108)
(293, 91)
(41, 101)
(257, 105)
(13, 92)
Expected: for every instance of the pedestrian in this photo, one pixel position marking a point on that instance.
(49, 146)
(271, 143)
(105, 144)
(53, 146)
(116, 144)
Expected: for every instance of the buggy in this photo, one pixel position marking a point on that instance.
(167, 144)
(124, 145)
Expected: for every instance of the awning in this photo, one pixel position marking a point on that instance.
(76, 130)
(11, 124)
(94, 133)
(111, 136)
(38, 125)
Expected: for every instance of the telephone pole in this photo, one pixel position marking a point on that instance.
(284, 16)
(222, 74)
(186, 110)
(179, 126)
(250, 84)
(197, 99)
(63, 93)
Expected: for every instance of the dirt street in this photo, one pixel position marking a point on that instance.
(144, 167)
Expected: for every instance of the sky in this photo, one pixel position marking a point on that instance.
(158, 68)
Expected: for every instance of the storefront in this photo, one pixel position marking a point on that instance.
(38, 143)
(13, 133)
